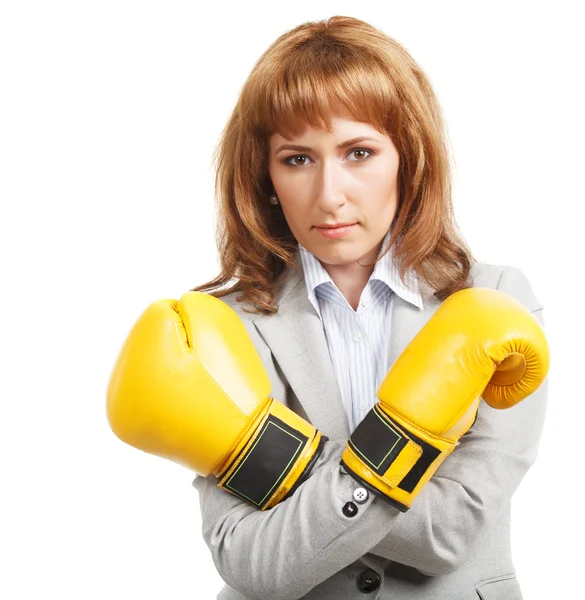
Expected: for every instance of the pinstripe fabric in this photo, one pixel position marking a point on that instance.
(358, 341)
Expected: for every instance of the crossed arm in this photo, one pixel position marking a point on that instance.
(285, 552)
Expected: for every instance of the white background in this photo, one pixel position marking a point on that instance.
(109, 113)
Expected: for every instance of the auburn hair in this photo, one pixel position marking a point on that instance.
(344, 62)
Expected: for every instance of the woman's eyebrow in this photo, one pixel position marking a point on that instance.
(339, 146)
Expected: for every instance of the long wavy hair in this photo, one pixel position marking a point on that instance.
(340, 61)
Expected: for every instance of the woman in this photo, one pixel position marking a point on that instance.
(336, 223)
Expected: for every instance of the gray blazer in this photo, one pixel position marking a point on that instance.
(453, 544)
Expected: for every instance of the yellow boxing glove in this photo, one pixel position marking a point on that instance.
(479, 342)
(189, 386)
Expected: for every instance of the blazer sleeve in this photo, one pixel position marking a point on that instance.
(476, 482)
(284, 552)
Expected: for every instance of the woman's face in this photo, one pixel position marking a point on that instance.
(320, 179)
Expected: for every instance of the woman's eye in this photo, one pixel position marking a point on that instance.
(287, 160)
(304, 157)
(362, 150)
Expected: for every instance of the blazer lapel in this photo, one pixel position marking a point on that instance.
(407, 319)
(297, 341)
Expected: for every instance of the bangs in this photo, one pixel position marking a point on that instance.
(313, 83)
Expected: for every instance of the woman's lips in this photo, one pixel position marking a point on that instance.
(337, 232)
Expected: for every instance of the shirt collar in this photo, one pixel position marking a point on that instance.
(384, 271)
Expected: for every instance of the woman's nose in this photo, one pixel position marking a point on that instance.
(329, 188)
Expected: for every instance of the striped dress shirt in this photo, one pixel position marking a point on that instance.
(358, 340)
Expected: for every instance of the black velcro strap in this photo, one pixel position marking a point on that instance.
(377, 440)
(429, 454)
(307, 470)
(267, 462)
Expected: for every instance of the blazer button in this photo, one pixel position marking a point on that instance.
(368, 581)
(349, 509)
(361, 495)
